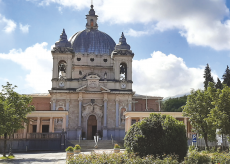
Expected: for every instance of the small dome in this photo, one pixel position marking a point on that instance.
(92, 41)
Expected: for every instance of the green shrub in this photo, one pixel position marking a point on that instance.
(157, 135)
(120, 158)
(222, 158)
(195, 157)
(77, 147)
(70, 148)
(116, 146)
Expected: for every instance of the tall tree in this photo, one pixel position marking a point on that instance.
(207, 76)
(220, 115)
(219, 84)
(13, 110)
(226, 77)
(197, 108)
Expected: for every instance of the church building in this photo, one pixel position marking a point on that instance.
(91, 87)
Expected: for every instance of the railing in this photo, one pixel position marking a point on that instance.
(43, 135)
(13, 136)
(33, 136)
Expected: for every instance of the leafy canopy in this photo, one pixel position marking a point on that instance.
(13, 109)
(197, 108)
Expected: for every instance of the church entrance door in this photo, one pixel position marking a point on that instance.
(91, 127)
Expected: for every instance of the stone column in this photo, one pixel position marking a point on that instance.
(38, 125)
(80, 111)
(25, 130)
(130, 105)
(51, 125)
(67, 117)
(117, 113)
(186, 126)
(54, 104)
(105, 120)
(55, 67)
(141, 118)
(64, 123)
(69, 67)
(117, 132)
(79, 129)
(129, 119)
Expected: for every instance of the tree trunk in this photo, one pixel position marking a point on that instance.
(4, 147)
(206, 141)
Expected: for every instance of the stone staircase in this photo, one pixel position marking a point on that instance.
(89, 144)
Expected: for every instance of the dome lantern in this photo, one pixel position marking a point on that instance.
(91, 19)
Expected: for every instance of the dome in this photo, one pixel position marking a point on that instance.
(92, 41)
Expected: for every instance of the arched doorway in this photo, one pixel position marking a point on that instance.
(91, 127)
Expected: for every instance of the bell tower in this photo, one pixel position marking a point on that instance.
(62, 62)
(123, 56)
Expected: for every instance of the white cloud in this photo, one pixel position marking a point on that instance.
(9, 25)
(200, 22)
(25, 28)
(163, 75)
(38, 61)
(134, 33)
(160, 75)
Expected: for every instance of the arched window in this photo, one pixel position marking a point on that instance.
(91, 23)
(62, 69)
(123, 71)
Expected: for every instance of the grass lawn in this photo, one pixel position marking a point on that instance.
(10, 157)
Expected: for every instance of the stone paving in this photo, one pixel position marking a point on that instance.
(46, 157)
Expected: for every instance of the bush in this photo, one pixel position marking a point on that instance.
(70, 148)
(121, 158)
(77, 147)
(157, 135)
(198, 158)
(222, 158)
(116, 146)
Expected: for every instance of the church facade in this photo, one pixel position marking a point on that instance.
(92, 81)
(91, 90)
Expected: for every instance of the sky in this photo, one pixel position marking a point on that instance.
(172, 40)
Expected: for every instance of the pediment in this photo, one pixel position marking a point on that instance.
(85, 88)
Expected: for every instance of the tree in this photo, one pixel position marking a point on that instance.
(157, 135)
(226, 77)
(219, 84)
(207, 76)
(220, 114)
(13, 110)
(174, 104)
(197, 108)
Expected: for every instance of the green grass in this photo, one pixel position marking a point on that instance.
(9, 157)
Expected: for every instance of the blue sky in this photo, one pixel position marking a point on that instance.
(172, 40)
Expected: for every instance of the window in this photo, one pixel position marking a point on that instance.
(62, 68)
(91, 59)
(78, 59)
(91, 23)
(105, 60)
(123, 71)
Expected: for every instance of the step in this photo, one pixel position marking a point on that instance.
(89, 144)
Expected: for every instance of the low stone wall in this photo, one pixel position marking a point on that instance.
(24, 145)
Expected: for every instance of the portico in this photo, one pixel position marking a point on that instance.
(44, 121)
(133, 117)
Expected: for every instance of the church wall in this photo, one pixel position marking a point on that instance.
(41, 103)
(152, 104)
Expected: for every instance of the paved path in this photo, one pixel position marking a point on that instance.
(45, 157)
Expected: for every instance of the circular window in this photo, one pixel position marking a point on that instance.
(78, 59)
(91, 59)
(105, 60)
